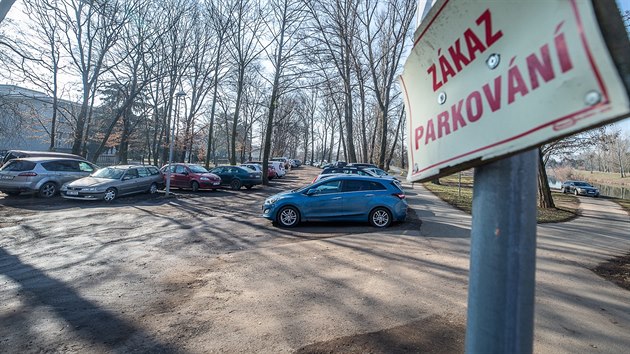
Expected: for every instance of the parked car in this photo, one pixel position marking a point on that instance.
(191, 176)
(339, 198)
(362, 165)
(580, 188)
(17, 154)
(257, 166)
(298, 163)
(236, 176)
(377, 171)
(284, 160)
(41, 175)
(279, 167)
(343, 170)
(111, 182)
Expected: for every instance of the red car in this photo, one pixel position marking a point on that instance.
(190, 176)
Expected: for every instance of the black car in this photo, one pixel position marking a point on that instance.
(362, 165)
(580, 188)
(237, 176)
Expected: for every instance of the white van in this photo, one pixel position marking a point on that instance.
(279, 167)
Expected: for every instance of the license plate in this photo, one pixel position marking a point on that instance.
(6, 177)
(216, 183)
(72, 193)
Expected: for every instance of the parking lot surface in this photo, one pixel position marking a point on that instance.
(203, 272)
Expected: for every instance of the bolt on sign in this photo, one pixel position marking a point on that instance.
(486, 79)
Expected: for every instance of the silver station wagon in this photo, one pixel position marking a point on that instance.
(41, 175)
(111, 182)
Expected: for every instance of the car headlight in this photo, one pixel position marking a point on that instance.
(271, 201)
(204, 178)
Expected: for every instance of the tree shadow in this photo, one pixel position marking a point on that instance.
(89, 321)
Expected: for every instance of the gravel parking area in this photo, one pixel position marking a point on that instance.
(200, 272)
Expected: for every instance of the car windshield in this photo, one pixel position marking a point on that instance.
(109, 173)
(197, 169)
(582, 184)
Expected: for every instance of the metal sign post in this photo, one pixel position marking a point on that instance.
(485, 84)
(503, 256)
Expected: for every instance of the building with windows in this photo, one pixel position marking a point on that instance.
(26, 120)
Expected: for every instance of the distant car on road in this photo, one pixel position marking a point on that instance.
(236, 176)
(41, 175)
(191, 176)
(111, 182)
(339, 198)
(580, 188)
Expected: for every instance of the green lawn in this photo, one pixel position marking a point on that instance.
(461, 198)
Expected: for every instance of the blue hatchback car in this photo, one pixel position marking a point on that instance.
(340, 198)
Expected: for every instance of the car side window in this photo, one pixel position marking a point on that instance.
(180, 169)
(217, 170)
(131, 173)
(328, 187)
(85, 167)
(234, 170)
(142, 172)
(376, 186)
(355, 186)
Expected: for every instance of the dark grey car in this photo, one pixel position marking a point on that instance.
(580, 188)
(41, 175)
(111, 182)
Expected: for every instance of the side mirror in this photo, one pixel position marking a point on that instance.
(311, 192)
(185, 173)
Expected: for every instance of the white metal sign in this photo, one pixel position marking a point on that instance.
(490, 78)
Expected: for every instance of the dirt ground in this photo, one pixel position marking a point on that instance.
(204, 273)
(188, 274)
(616, 270)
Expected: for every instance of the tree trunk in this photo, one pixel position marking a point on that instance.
(544, 192)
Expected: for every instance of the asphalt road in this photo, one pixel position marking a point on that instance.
(204, 273)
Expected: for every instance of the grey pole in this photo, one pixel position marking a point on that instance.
(170, 149)
(503, 257)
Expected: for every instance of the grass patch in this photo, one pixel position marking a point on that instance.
(449, 191)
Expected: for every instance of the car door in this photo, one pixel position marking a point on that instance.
(223, 173)
(180, 177)
(144, 180)
(129, 181)
(360, 196)
(324, 201)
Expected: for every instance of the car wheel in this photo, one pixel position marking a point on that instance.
(235, 185)
(249, 186)
(12, 194)
(195, 186)
(564, 191)
(288, 216)
(48, 190)
(153, 189)
(110, 194)
(380, 217)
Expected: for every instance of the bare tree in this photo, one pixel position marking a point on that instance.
(387, 30)
(247, 26)
(91, 29)
(284, 21)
